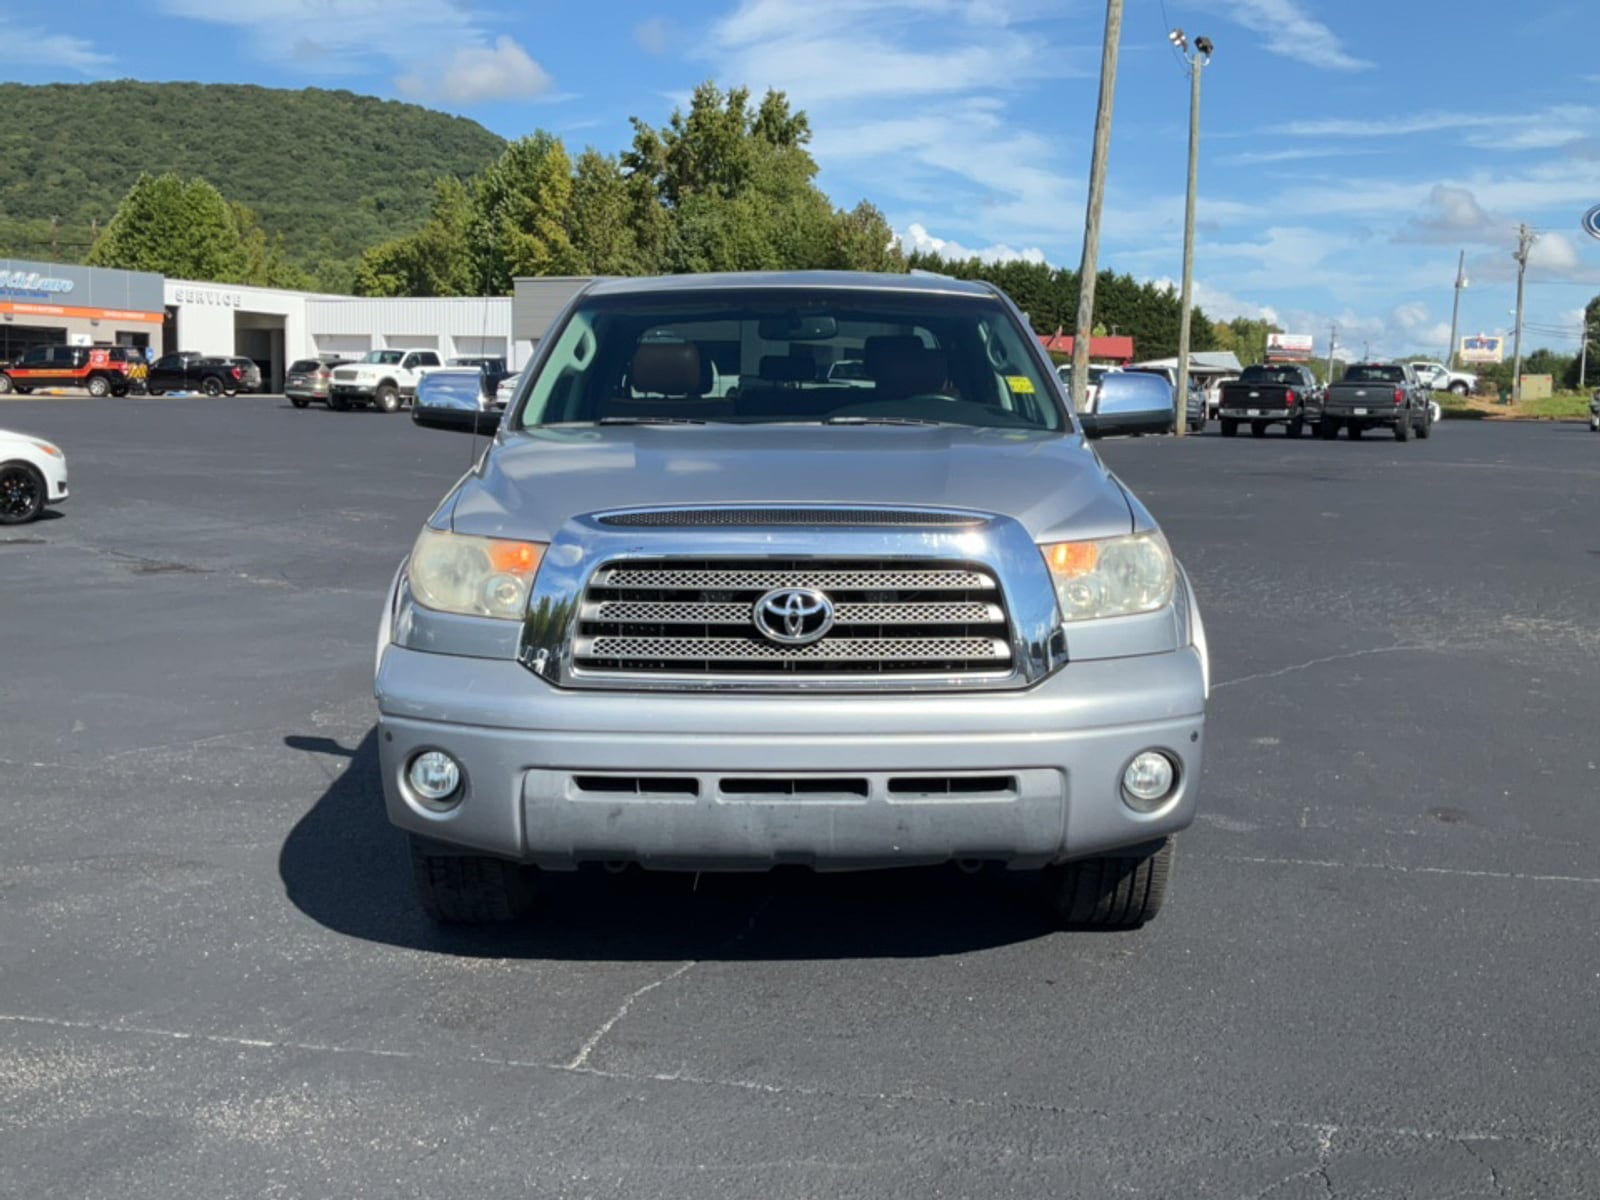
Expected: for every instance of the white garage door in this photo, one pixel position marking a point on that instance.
(480, 347)
(411, 341)
(351, 345)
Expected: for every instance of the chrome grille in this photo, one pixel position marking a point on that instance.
(696, 617)
(706, 518)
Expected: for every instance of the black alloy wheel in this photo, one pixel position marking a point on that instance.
(211, 386)
(22, 493)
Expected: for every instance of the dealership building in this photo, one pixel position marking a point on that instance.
(52, 304)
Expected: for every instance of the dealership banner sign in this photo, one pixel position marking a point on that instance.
(1290, 345)
(1483, 349)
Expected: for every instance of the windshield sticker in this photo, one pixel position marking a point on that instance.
(1020, 384)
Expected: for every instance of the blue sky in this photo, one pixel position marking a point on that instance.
(1350, 150)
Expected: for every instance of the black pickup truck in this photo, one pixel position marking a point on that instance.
(1284, 394)
(1374, 395)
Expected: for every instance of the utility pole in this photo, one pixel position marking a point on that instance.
(1583, 357)
(1455, 314)
(1525, 240)
(1197, 62)
(55, 239)
(1333, 344)
(1090, 266)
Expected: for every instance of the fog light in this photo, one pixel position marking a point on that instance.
(1148, 781)
(434, 776)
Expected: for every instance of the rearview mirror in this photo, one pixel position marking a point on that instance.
(453, 398)
(797, 327)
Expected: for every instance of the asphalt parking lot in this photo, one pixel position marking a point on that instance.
(1378, 976)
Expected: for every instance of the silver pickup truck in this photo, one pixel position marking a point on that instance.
(701, 606)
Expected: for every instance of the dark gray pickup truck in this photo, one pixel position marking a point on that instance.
(1284, 394)
(1378, 395)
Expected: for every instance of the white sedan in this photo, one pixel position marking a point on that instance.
(33, 473)
(506, 389)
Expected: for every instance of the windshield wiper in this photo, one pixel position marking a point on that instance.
(652, 421)
(848, 420)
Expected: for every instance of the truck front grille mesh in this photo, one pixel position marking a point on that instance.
(697, 617)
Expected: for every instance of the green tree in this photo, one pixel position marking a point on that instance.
(523, 207)
(863, 241)
(184, 229)
(437, 260)
(266, 261)
(600, 219)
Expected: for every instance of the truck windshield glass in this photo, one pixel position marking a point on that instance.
(788, 356)
(1270, 375)
(386, 358)
(1364, 374)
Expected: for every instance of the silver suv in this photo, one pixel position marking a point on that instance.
(703, 607)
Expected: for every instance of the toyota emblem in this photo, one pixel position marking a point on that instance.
(794, 616)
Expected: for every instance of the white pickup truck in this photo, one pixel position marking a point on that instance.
(385, 379)
(1439, 378)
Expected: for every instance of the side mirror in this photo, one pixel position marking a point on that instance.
(452, 398)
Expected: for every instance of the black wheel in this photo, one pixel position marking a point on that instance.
(22, 492)
(1328, 429)
(1402, 428)
(1230, 427)
(22, 391)
(155, 391)
(6, 386)
(1121, 891)
(1258, 429)
(387, 398)
(338, 402)
(299, 402)
(1594, 424)
(99, 386)
(1355, 433)
(211, 385)
(1295, 428)
(1425, 428)
(470, 889)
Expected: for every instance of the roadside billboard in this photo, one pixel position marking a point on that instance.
(1485, 348)
(1289, 346)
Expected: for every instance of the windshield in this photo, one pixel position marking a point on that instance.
(387, 358)
(1270, 375)
(1366, 374)
(769, 356)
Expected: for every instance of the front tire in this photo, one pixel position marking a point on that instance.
(1230, 428)
(1355, 433)
(1459, 388)
(6, 386)
(469, 889)
(387, 399)
(1402, 429)
(1328, 430)
(1425, 430)
(1122, 891)
(338, 402)
(1258, 429)
(299, 402)
(22, 493)
(1295, 429)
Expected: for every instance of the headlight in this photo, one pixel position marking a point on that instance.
(1112, 577)
(473, 576)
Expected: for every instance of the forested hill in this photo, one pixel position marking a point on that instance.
(331, 171)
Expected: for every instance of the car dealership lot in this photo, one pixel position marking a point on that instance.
(1377, 974)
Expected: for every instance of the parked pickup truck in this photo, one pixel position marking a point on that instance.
(799, 622)
(208, 374)
(1284, 394)
(1378, 395)
(1439, 378)
(384, 379)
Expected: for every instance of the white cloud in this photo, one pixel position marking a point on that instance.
(653, 35)
(352, 37)
(1454, 216)
(1291, 32)
(1547, 128)
(474, 74)
(916, 238)
(32, 44)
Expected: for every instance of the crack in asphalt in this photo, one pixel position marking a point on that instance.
(1325, 1132)
(1401, 869)
(1317, 662)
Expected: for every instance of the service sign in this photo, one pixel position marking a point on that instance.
(1483, 349)
(1290, 345)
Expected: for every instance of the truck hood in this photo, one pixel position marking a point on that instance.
(530, 483)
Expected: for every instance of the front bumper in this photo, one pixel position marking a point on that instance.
(55, 478)
(707, 781)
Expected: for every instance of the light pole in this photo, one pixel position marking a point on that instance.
(1455, 313)
(1199, 59)
(1089, 266)
(1525, 239)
